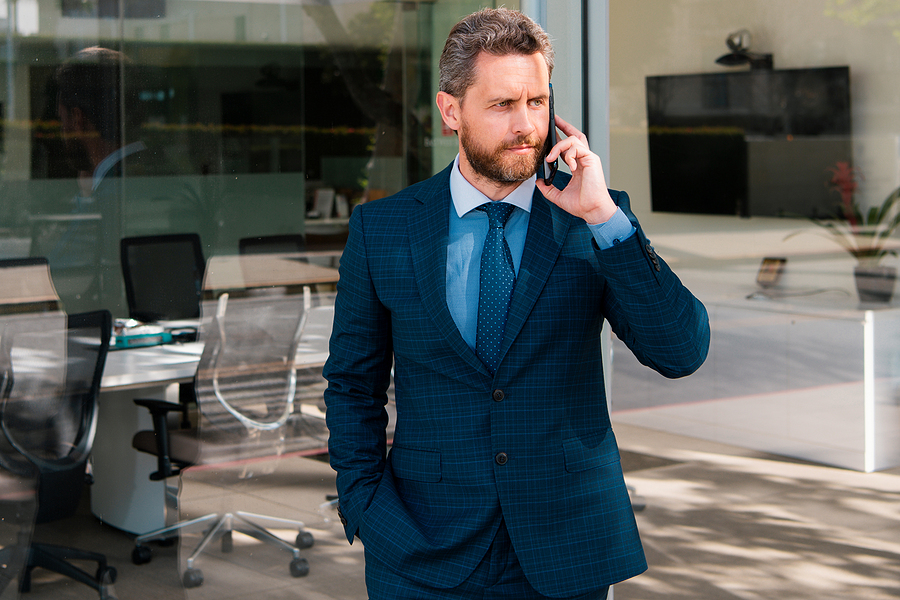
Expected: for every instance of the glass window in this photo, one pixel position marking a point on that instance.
(221, 118)
(759, 144)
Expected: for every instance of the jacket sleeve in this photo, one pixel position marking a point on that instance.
(358, 373)
(648, 307)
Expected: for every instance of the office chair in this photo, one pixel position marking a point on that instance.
(48, 417)
(163, 276)
(287, 243)
(18, 481)
(246, 385)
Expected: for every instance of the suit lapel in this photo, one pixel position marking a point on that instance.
(547, 230)
(428, 237)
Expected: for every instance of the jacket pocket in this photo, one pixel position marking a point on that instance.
(416, 465)
(580, 457)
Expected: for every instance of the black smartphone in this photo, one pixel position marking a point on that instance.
(545, 170)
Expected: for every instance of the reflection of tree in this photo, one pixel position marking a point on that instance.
(388, 104)
(864, 12)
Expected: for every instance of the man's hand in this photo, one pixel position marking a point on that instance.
(586, 196)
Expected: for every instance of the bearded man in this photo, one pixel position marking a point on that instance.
(481, 293)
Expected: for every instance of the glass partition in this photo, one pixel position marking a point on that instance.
(759, 134)
(222, 118)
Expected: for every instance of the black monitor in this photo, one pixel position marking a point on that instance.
(759, 142)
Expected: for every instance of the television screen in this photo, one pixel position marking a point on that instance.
(750, 143)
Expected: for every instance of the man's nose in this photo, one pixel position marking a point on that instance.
(522, 121)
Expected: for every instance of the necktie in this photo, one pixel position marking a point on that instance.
(498, 277)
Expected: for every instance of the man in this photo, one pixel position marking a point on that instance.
(99, 113)
(503, 480)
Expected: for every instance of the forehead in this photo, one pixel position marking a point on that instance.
(509, 75)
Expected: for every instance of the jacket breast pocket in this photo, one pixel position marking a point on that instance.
(416, 465)
(580, 457)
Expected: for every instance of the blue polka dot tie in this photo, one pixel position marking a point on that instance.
(498, 277)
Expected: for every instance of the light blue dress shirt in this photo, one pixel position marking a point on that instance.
(468, 228)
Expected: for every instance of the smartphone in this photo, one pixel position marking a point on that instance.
(545, 170)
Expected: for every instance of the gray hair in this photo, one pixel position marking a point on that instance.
(497, 31)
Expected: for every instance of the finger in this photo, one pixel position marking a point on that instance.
(548, 191)
(571, 160)
(561, 148)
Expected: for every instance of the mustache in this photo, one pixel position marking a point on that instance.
(523, 140)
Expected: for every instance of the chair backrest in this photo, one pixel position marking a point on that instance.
(49, 413)
(247, 377)
(273, 244)
(163, 276)
(32, 365)
(26, 286)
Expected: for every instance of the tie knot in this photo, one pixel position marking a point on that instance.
(497, 212)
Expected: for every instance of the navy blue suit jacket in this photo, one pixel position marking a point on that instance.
(533, 443)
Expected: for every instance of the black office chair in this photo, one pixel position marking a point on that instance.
(246, 385)
(49, 416)
(163, 276)
(287, 243)
(26, 292)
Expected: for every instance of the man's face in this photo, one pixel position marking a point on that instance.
(76, 152)
(504, 118)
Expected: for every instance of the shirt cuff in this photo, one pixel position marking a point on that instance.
(617, 229)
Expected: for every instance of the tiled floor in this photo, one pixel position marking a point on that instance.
(720, 523)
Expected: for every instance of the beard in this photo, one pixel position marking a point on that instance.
(495, 164)
(77, 155)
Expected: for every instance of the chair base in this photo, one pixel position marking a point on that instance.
(220, 527)
(55, 558)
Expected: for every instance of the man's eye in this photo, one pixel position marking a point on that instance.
(503, 104)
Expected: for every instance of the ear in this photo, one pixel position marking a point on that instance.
(450, 110)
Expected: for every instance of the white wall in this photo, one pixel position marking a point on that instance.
(661, 37)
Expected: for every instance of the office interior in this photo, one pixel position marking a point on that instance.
(733, 126)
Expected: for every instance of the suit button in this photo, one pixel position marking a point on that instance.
(501, 459)
(343, 518)
(498, 395)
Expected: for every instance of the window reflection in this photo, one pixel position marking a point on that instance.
(229, 118)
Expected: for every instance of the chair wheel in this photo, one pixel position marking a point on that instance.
(141, 555)
(193, 578)
(107, 575)
(304, 540)
(299, 567)
(227, 542)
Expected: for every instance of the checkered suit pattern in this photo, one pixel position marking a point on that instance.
(533, 442)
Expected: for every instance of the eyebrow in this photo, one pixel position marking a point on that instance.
(497, 99)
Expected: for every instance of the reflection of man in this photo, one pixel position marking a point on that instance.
(99, 112)
(503, 480)
(91, 109)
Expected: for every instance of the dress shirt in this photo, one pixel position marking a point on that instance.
(468, 228)
(113, 159)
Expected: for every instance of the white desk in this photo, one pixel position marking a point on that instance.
(122, 494)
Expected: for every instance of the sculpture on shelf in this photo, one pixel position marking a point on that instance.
(864, 235)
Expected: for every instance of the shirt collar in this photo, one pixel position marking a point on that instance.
(107, 163)
(466, 197)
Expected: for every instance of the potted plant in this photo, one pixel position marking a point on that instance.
(864, 235)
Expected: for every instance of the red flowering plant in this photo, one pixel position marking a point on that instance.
(863, 235)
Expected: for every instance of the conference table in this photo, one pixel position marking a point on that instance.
(122, 494)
